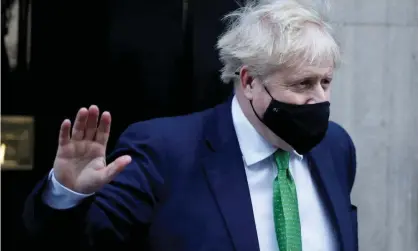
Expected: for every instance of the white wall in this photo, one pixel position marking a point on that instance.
(375, 97)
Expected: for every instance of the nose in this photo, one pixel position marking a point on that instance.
(317, 94)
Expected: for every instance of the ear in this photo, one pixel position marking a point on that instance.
(246, 82)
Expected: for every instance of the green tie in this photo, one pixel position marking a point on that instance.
(286, 213)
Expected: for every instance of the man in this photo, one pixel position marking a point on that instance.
(264, 171)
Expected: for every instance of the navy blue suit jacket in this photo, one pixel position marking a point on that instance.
(186, 189)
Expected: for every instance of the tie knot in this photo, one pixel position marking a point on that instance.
(282, 159)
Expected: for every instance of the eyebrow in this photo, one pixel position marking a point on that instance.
(309, 75)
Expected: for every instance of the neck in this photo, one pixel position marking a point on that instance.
(263, 130)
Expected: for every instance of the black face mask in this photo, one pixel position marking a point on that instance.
(301, 126)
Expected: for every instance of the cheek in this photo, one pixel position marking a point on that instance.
(291, 97)
(327, 96)
(260, 102)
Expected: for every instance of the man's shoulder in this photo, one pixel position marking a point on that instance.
(166, 137)
(169, 128)
(343, 151)
(337, 134)
(339, 143)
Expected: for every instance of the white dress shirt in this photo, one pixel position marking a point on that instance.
(316, 229)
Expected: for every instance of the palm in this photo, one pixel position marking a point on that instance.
(80, 162)
(80, 154)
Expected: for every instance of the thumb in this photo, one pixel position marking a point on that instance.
(116, 167)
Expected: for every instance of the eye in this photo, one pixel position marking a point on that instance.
(305, 84)
(325, 83)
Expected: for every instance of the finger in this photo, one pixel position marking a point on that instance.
(80, 124)
(116, 167)
(103, 131)
(91, 124)
(64, 136)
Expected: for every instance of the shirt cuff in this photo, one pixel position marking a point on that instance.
(58, 196)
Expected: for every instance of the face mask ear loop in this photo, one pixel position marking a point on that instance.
(265, 88)
(251, 103)
(256, 114)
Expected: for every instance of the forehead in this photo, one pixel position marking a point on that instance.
(302, 71)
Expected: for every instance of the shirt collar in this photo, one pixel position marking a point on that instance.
(254, 147)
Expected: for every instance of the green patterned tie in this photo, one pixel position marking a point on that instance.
(286, 213)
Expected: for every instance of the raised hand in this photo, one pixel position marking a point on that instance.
(80, 164)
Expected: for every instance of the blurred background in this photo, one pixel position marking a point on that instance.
(144, 59)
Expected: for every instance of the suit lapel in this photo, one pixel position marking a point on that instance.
(224, 168)
(320, 159)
